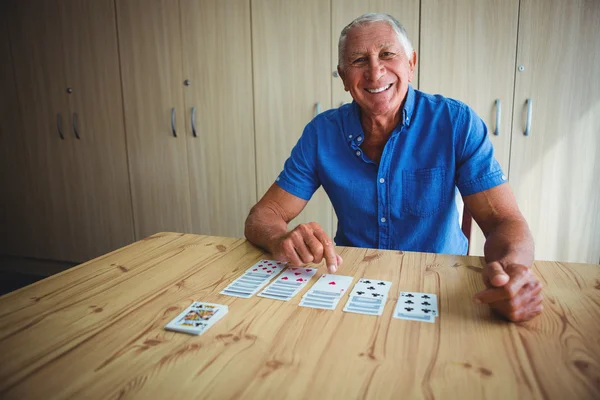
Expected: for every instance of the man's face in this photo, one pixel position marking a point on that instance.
(376, 69)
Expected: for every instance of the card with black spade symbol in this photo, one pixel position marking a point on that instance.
(417, 306)
(197, 318)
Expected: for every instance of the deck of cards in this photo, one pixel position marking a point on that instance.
(368, 297)
(417, 306)
(197, 318)
(254, 279)
(289, 283)
(327, 292)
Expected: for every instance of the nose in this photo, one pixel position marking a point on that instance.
(375, 69)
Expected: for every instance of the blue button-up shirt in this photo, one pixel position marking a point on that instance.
(407, 200)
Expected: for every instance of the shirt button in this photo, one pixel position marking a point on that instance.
(350, 136)
(358, 153)
(359, 139)
(381, 180)
(382, 220)
(503, 177)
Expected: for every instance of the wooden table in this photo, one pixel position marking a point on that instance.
(96, 331)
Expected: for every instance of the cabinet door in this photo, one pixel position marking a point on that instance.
(555, 169)
(468, 52)
(12, 152)
(217, 61)
(292, 79)
(345, 11)
(37, 55)
(98, 195)
(150, 52)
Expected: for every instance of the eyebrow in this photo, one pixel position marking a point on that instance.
(361, 52)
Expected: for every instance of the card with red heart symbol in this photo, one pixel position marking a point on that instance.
(289, 283)
(254, 279)
(327, 292)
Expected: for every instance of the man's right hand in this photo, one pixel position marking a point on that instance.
(307, 243)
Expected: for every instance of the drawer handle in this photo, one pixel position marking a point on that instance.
(173, 122)
(498, 116)
(75, 126)
(528, 125)
(58, 126)
(194, 121)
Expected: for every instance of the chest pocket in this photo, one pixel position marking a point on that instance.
(423, 191)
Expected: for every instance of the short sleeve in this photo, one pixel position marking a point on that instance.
(300, 176)
(476, 168)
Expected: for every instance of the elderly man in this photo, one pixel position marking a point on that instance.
(391, 162)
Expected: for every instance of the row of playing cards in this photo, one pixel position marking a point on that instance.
(254, 279)
(197, 318)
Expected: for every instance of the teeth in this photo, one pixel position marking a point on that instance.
(379, 90)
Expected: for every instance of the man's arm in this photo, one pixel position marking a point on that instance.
(266, 227)
(512, 289)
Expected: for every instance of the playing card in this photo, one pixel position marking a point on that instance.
(417, 306)
(289, 283)
(332, 284)
(371, 288)
(254, 279)
(266, 267)
(327, 292)
(197, 318)
(368, 296)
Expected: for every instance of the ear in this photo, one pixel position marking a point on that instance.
(343, 77)
(412, 65)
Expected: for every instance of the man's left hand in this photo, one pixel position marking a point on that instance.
(512, 290)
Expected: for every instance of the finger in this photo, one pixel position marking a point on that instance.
(328, 251)
(520, 276)
(315, 247)
(496, 274)
(339, 259)
(491, 295)
(303, 252)
(289, 252)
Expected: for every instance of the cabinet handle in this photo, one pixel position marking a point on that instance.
(173, 122)
(498, 116)
(75, 126)
(528, 124)
(58, 124)
(317, 109)
(194, 121)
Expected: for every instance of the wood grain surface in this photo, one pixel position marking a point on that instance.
(97, 331)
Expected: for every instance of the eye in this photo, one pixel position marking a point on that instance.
(359, 60)
(387, 54)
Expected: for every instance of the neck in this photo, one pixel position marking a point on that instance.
(378, 128)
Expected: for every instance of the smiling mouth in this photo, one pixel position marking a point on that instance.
(379, 90)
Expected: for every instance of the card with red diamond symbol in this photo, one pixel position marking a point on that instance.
(289, 283)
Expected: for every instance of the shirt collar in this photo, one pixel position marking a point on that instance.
(356, 130)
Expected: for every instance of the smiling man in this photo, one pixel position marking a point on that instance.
(390, 163)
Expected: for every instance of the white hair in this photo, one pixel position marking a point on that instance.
(369, 19)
